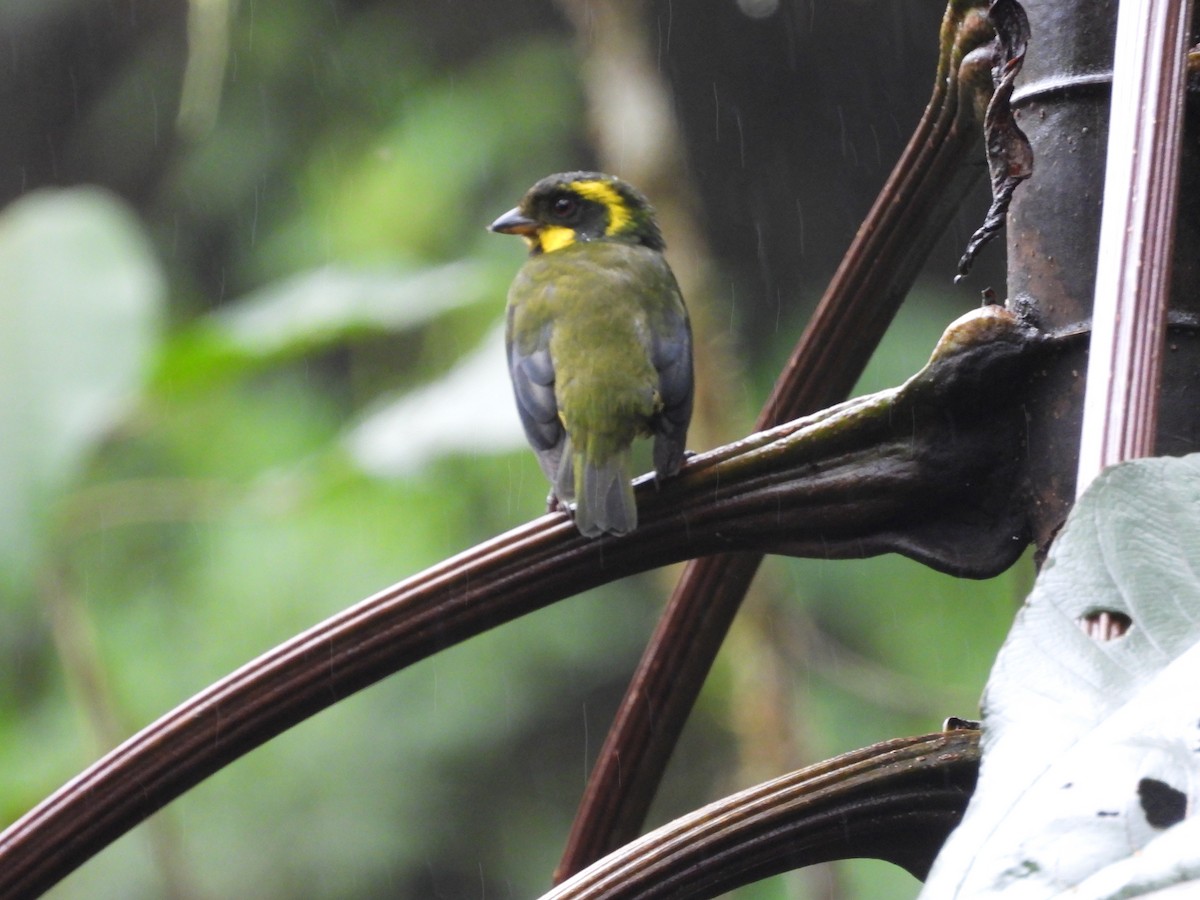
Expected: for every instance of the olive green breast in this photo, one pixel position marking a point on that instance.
(598, 305)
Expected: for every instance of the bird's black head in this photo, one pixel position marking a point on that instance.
(581, 206)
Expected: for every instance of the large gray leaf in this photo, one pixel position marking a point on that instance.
(1092, 747)
(80, 303)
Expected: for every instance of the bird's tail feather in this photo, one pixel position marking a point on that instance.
(604, 499)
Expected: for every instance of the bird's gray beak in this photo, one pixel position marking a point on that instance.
(514, 222)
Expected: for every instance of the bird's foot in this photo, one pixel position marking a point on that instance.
(659, 478)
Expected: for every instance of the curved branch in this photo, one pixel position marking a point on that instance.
(894, 801)
(841, 482)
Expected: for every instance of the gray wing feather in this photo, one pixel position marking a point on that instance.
(533, 386)
(672, 357)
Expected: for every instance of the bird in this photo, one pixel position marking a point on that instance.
(599, 344)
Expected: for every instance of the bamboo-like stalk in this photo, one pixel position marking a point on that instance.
(1133, 274)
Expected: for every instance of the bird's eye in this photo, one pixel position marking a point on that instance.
(564, 207)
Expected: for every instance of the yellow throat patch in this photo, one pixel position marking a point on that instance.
(554, 237)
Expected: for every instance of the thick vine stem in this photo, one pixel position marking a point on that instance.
(870, 475)
(894, 801)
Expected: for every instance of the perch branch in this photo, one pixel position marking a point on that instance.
(924, 469)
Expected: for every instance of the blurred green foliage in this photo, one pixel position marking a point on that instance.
(178, 501)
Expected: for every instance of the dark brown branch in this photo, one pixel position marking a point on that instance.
(924, 190)
(844, 482)
(895, 801)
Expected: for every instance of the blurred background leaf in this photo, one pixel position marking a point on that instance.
(304, 189)
(80, 300)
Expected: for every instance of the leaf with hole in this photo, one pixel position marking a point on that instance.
(1091, 715)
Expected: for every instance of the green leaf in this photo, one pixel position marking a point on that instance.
(80, 304)
(315, 310)
(1090, 744)
(413, 190)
